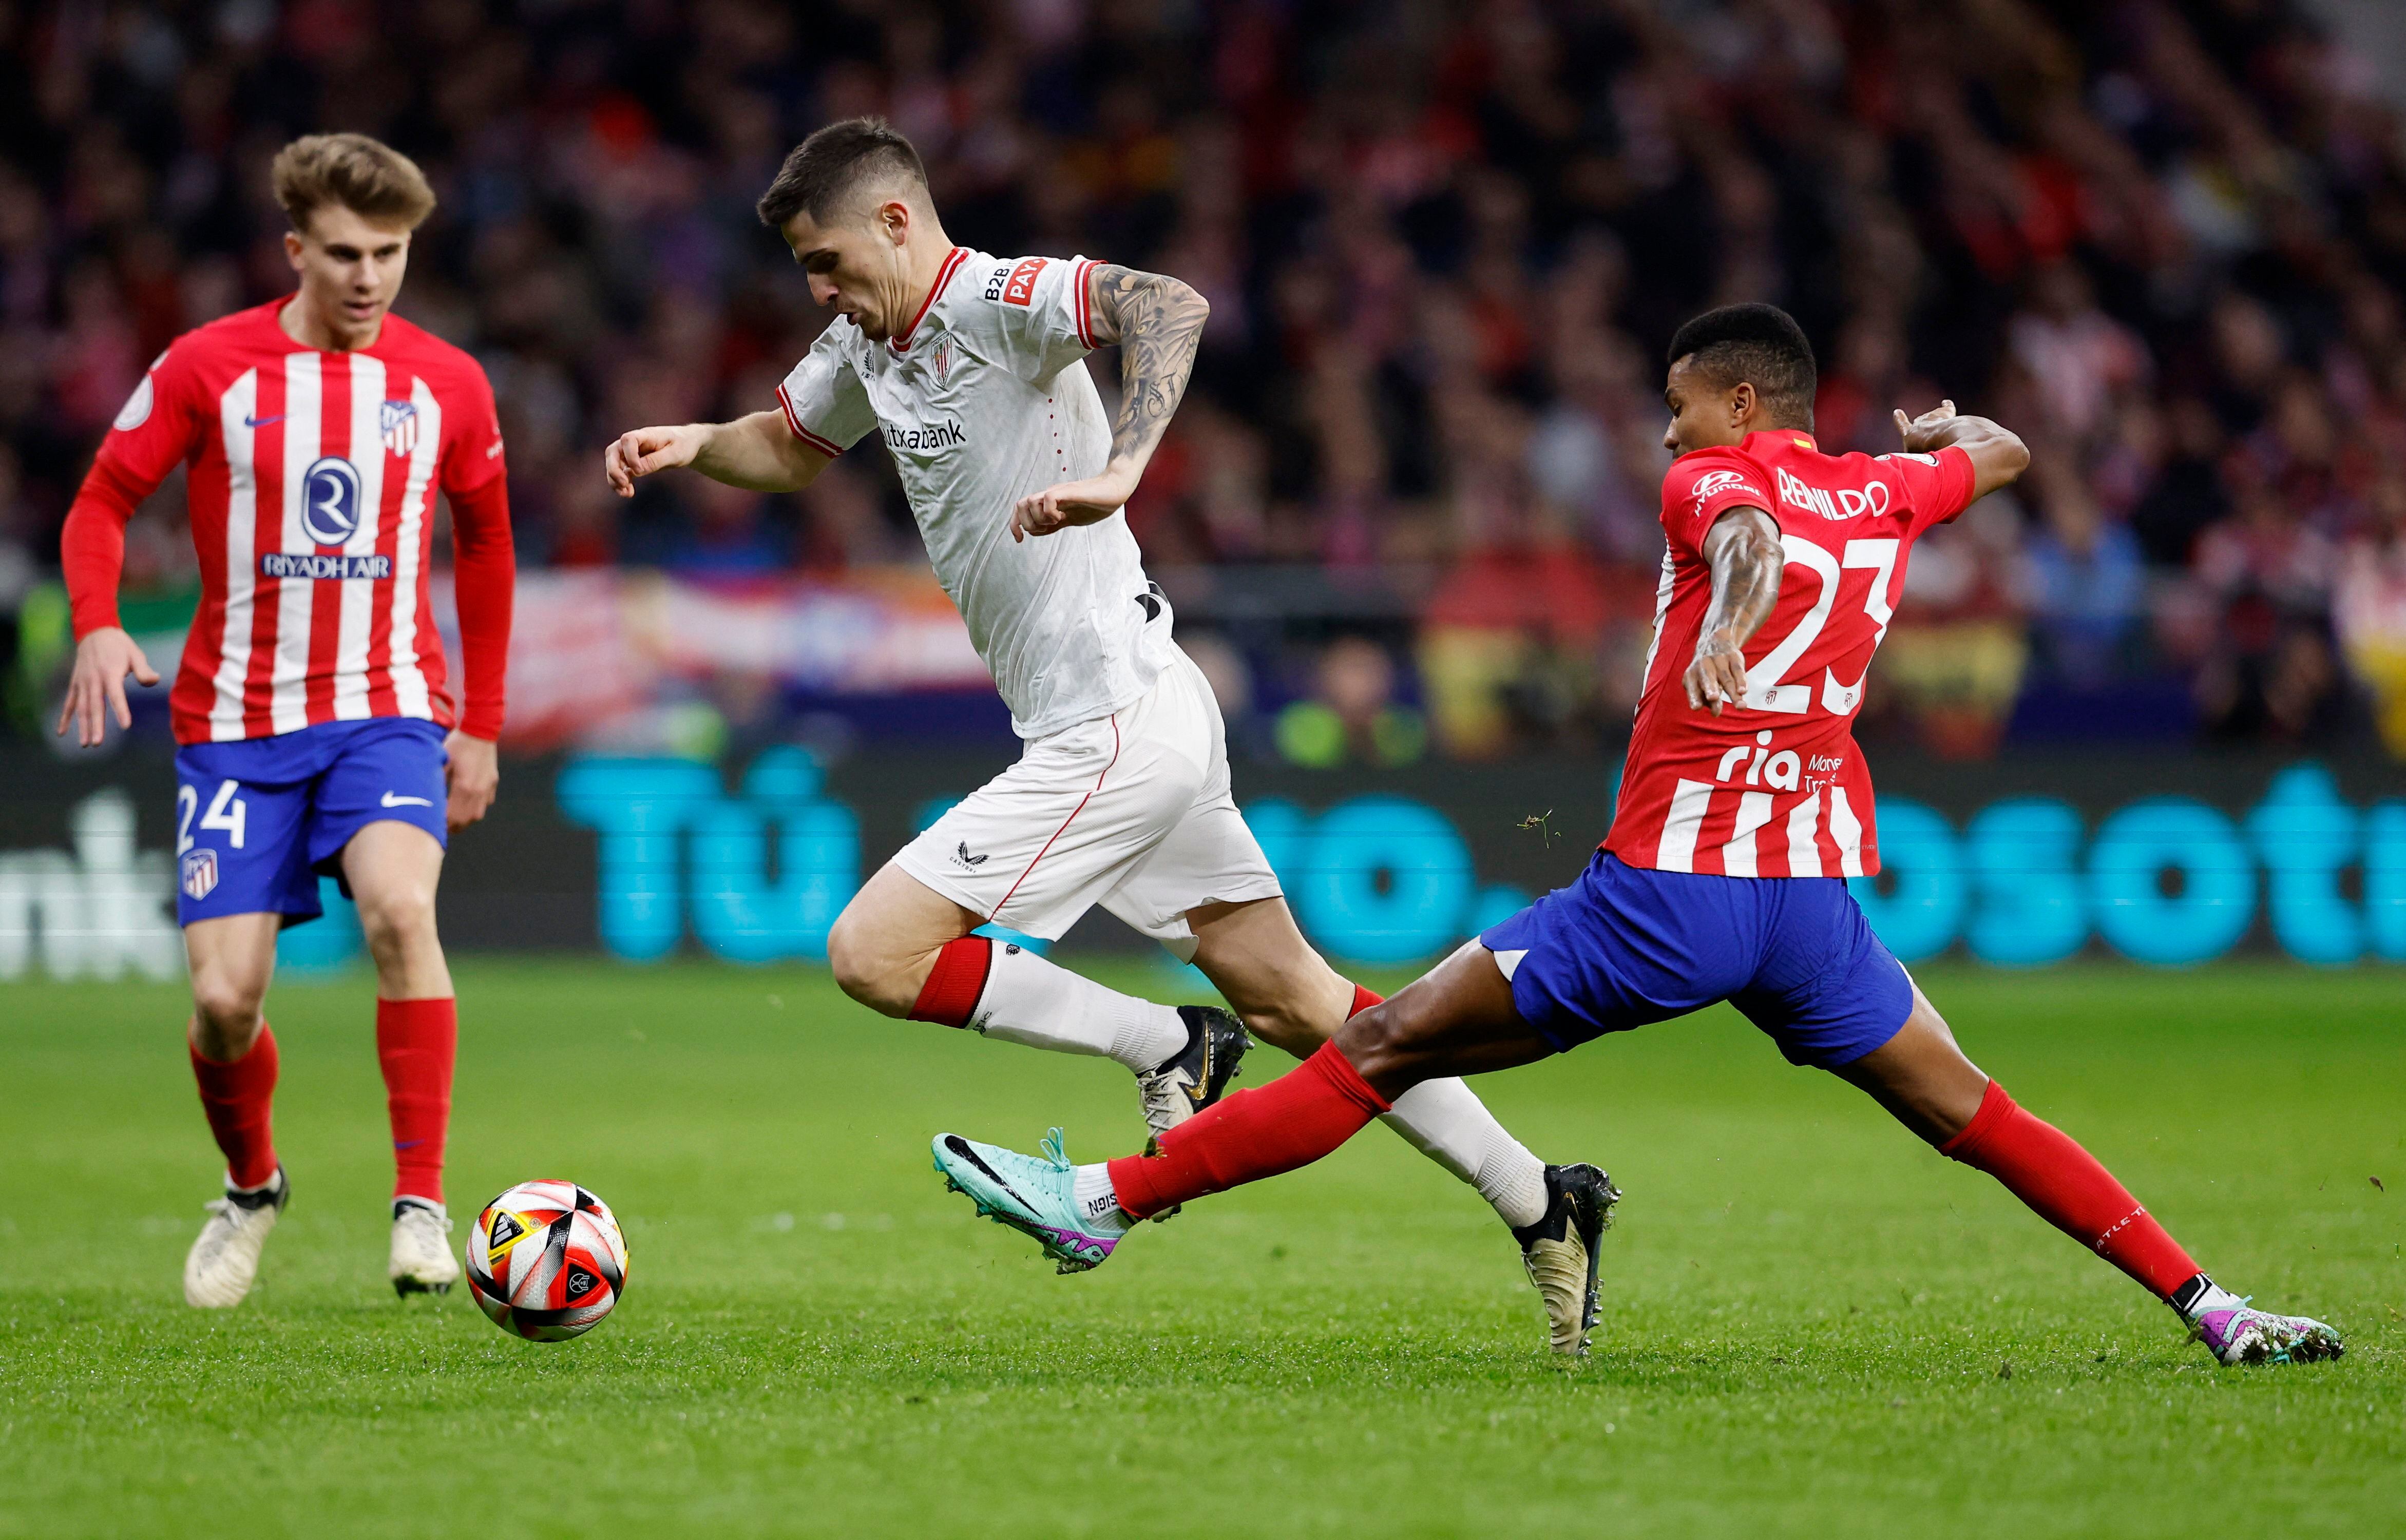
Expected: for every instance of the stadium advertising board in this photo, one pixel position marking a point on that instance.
(2166, 862)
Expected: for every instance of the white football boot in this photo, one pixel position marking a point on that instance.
(1195, 1077)
(1560, 1252)
(422, 1261)
(224, 1259)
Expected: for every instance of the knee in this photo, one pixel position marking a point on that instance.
(397, 918)
(1377, 1042)
(227, 1005)
(859, 966)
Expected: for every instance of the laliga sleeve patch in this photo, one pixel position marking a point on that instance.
(137, 410)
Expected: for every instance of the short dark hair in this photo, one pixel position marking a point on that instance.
(1760, 345)
(824, 168)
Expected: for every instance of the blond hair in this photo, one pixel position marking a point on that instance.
(371, 179)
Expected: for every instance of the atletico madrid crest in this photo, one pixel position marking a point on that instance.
(200, 873)
(399, 421)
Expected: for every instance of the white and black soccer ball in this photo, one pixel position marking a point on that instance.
(546, 1260)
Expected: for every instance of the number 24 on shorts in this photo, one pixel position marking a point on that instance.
(226, 811)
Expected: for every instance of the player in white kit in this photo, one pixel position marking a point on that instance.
(970, 366)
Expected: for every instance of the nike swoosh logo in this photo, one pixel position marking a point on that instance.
(392, 801)
(262, 422)
(959, 1146)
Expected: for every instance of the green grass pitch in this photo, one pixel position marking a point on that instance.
(1813, 1326)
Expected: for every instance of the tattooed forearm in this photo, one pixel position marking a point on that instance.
(1742, 548)
(1158, 323)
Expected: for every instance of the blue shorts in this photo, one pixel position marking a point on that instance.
(258, 820)
(1623, 946)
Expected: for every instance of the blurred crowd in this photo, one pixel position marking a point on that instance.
(1409, 505)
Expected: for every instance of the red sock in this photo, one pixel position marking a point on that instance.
(1292, 1122)
(2047, 1168)
(417, 1042)
(950, 996)
(236, 1098)
(1363, 1000)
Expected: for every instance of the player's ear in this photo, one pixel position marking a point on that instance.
(292, 249)
(1742, 403)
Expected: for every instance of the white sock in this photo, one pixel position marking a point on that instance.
(1445, 1121)
(1029, 1000)
(1098, 1202)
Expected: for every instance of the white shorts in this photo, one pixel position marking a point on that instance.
(1130, 811)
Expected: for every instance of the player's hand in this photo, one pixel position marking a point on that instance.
(1087, 502)
(1928, 430)
(1717, 676)
(472, 769)
(97, 689)
(645, 450)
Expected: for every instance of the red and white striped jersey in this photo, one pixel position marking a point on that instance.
(1775, 787)
(312, 485)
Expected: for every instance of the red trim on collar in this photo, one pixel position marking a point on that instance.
(900, 341)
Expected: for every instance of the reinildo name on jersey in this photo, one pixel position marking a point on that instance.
(1848, 503)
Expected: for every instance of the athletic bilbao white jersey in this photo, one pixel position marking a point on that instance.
(982, 399)
(312, 485)
(1775, 787)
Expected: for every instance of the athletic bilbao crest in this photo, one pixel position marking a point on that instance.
(399, 421)
(329, 501)
(942, 360)
(200, 873)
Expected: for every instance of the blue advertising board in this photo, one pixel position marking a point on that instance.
(1385, 878)
(2169, 861)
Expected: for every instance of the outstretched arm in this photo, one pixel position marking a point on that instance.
(1998, 456)
(759, 452)
(1743, 550)
(1158, 323)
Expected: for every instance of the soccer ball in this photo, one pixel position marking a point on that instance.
(546, 1260)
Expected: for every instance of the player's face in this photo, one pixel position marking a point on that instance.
(859, 266)
(350, 270)
(1705, 415)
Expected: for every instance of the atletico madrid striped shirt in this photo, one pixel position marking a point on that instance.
(1775, 787)
(312, 483)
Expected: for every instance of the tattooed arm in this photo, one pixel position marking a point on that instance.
(1743, 550)
(1158, 322)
